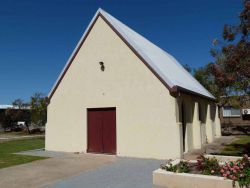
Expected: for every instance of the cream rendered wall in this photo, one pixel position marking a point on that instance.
(189, 123)
(202, 123)
(217, 123)
(187, 100)
(203, 115)
(145, 111)
(197, 134)
(210, 124)
(203, 133)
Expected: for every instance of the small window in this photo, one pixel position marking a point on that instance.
(229, 111)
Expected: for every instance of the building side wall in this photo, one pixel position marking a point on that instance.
(201, 121)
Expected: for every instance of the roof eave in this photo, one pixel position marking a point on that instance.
(176, 89)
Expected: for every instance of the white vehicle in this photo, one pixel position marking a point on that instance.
(245, 111)
(21, 123)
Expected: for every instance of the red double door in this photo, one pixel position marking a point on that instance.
(102, 130)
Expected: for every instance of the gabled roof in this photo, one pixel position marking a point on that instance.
(162, 64)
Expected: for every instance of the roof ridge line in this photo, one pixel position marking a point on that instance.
(158, 60)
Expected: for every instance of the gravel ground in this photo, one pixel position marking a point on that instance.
(124, 173)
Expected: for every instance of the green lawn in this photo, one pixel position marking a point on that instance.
(7, 158)
(238, 147)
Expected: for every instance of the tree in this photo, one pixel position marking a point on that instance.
(18, 103)
(39, 109)
(8, 121)
(188, 68)
(231, 68)
(19, 112)
(206, 78)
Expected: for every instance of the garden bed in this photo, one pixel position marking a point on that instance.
(168, 179)
(207, 171)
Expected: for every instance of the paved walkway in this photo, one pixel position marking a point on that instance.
(214, 147)
(124, 173)
(64, 170)
(44, 172)
(8, 137)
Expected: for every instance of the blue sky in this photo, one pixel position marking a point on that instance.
(37, 37)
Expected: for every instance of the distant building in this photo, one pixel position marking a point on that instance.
(231, 116)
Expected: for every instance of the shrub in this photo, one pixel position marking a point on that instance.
(244, 179)
(208, 166)
(237, 171)
(169, 166)
(181, 167)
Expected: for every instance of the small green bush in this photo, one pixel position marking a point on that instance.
(237, 171)
(181, 167)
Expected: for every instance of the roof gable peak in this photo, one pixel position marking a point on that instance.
(163, 65)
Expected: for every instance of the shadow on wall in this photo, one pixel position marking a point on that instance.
(186, 111)
(213, 111)
(202, 112)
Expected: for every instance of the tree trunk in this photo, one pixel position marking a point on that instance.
(27, 126)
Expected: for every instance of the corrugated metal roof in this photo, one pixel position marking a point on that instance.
(165, 65)
(5, 106)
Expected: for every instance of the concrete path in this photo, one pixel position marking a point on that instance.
(44, 172)
(124, 173)
(64, 170)
(211, 148)
(9, 137)
(43, 153)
